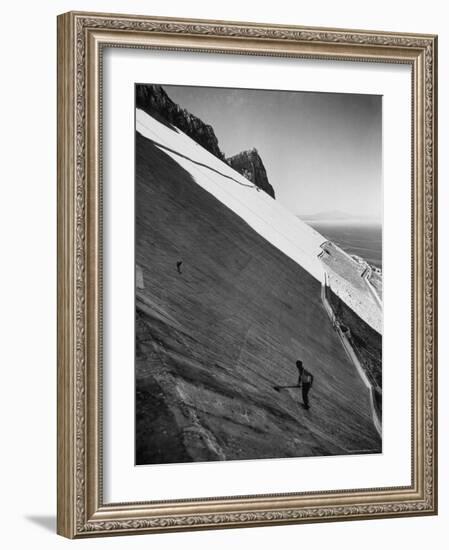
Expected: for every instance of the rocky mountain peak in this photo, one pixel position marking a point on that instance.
(250, 165)
(154, 100)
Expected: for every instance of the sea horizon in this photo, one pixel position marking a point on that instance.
(362, 239)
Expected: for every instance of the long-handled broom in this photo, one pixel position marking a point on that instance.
(279, 388)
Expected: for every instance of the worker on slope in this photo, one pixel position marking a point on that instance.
(305, 381)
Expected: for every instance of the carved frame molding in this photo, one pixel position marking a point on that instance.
(81, 39)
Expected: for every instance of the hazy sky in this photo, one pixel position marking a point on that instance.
(322, 152)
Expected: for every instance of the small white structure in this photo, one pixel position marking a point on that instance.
(140, 285)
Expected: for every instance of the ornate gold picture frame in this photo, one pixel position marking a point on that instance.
(82, 40)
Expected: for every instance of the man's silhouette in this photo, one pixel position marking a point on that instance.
(305, 381)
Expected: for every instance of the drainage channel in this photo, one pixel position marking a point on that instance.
(349, 351)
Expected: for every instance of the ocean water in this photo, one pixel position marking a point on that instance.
(362, 240)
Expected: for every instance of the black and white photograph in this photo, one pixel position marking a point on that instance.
(258, 274)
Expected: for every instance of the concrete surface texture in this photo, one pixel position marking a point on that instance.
(214, 340)
(28, 504)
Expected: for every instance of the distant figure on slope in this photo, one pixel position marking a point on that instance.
(305, 380)
(179, 266)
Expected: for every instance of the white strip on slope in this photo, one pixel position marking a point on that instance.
(265, 215)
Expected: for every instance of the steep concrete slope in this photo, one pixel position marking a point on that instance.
(261, 212)
(268, 217)
(216, 332)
